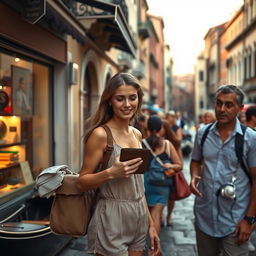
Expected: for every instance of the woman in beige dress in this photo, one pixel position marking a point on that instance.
(121, 220)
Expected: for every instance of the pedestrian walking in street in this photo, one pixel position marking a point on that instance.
(174, 134)
(157, 194)
(209, 117)
(225, 204)
(250, 114)
(141, 124)
(242, 117)
(121, 220)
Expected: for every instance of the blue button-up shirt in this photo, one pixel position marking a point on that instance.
(214, 214)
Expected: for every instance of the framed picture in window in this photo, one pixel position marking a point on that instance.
(22, 91)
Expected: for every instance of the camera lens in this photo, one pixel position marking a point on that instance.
(229, 191)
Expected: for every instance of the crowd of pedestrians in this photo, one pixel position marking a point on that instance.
(164, 134)
(130, 206)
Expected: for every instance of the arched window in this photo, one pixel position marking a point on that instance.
(245, 65)
(249, 64)
(107, 79)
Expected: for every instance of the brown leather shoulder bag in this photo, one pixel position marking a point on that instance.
(72, 209)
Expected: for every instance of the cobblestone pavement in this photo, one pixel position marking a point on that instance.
(179, 238)
(176, 240)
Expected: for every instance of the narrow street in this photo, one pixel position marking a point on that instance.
(179, 239)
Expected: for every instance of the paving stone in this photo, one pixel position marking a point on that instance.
(190, 233)
(73, 252)
(185, 225)
(186, 252)
(180, 239)
(79, 244)
(178, 218)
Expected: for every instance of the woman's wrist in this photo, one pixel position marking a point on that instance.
(109, 174)
(176, 167)
(151, 223)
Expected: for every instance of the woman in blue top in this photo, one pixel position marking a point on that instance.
(157, 196)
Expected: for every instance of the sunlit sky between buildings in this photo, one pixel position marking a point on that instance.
(187, 22)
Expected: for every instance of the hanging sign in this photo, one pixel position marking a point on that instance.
(34, 10)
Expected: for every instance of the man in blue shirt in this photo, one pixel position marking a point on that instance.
(225, 204)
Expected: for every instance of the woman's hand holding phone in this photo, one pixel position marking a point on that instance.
(124, 169)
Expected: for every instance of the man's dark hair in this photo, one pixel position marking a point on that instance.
(251, 111)
(226, 89)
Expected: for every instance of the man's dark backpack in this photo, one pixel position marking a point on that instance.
(239, 147)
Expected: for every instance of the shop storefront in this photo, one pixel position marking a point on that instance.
(33, 61)
(26, 147)
(25, 123)
(42, 110)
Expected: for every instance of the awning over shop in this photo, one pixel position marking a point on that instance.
(63, 21)
(106, 25)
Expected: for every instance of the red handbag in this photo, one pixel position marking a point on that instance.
(182, 189)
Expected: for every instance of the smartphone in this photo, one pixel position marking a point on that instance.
(131, 153)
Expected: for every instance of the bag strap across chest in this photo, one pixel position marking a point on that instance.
(144, 141)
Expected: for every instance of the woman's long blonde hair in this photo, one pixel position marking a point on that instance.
(104, 112)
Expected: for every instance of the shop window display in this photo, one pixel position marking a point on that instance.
(25, 147)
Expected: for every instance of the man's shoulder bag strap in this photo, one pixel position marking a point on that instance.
(206, 131)
(239, 148)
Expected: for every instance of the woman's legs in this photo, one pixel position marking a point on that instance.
(169, 212)
(156, 213)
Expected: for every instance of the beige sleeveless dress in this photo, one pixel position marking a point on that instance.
(120, 220)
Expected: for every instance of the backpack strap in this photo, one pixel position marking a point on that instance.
(239, 148)
(109, 147)
(206, 131)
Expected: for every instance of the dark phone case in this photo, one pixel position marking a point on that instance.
(131, 153)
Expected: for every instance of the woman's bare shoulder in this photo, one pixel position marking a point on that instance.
(137, 133)
(98, 135)
(168, 143)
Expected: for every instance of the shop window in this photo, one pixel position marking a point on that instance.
(25, 135)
